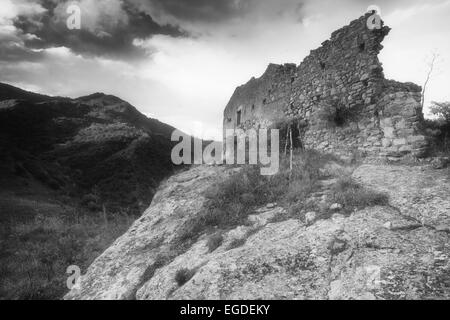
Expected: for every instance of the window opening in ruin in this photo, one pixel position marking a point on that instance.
(339, 118)
(253, 107)
(292, 79)
(344, 115)
(239, 117)
(264, 101)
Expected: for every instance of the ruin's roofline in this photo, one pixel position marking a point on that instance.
(334, 37)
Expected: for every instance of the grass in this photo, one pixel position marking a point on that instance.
(184, 275)
(233, 200)
(160, 261)
(353, 196)
(36, 250)
(230, 202)
(236, 243)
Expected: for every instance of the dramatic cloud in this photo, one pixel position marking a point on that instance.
(12, 46)
(108, 28)
(111, 28)
(212, 11)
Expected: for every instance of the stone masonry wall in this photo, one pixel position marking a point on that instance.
(340, 97)
(261, 101)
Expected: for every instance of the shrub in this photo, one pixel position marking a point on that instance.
(353, 196)
(439, 129)
(236, 243)
(231, 201)
(441, 110)
(184, 275)
(160, 261)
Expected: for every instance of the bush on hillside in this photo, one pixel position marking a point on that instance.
(439, 128)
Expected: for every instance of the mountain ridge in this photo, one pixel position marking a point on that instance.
(96, 146)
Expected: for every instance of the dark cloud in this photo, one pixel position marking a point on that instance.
(102, 37)
(13, 52)
(109, 27)
(201, 10)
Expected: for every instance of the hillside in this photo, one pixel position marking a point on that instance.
(96, 148)
(74, 174)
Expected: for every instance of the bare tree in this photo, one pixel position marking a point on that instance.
(431, 66)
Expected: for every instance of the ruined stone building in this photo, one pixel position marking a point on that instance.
(338, 97)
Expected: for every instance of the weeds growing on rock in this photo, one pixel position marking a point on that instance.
(353, 196)
(236, 243)
(184, 275)
(230, 202)
(160, 261)
(35, 252)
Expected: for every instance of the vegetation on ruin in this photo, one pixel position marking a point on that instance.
(439, 128)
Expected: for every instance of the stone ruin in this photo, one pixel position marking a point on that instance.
(338, 98)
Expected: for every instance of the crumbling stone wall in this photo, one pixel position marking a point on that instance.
(261, 101)
(339, 96)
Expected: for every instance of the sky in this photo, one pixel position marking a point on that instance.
(180, 60)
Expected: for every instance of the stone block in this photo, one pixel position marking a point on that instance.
(401, 124)
(414, 139)
(386, 122)
(386, 142)
(405, 132)
(389, 132)
(399, 142)
(405, 149)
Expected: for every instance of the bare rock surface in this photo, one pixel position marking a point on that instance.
(374, 253)
(123, 267)
(420, 193)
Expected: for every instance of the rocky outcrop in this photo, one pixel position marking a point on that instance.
(416, 192)
(130, 262)
(395, 252)
(339, 97)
